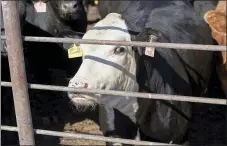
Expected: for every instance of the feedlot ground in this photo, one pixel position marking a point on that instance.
(53, 111)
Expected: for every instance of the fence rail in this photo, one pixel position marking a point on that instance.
(87, 136)
(125, 43)
(123, 93)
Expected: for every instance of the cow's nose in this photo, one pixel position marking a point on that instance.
(78, 84)
(69, 7)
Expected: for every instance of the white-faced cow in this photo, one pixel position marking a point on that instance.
(125, 68)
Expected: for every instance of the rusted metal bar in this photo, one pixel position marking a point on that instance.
(123, 93)
(126, 43)
(17, 72)
(87, 136)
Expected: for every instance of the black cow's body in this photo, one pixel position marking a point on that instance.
(55, 22)
(176, 72)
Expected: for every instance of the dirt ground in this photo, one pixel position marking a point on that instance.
(53, 111)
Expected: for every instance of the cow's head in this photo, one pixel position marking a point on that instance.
(68, 9)
(107, 67)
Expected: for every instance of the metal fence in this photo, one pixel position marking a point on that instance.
(20, 86)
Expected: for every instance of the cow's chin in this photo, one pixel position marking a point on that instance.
(83, 102)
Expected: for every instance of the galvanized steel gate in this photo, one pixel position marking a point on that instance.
(20, 87)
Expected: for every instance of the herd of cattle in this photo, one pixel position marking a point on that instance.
(125, 68)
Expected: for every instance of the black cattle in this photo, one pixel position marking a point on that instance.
(170, 71)
(60, 17)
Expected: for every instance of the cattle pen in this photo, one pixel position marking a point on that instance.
(20, 87)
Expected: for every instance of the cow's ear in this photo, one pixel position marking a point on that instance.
(217, 22)
(145, 36)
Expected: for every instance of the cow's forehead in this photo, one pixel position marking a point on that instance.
(112, 27)
(109, 27)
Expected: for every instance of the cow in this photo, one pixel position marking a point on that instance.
(55, 20)
(162, 71)
(216, 19)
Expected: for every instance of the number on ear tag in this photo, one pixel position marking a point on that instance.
(40, 6)
(75, 51)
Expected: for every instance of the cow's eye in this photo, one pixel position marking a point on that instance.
(119, 50)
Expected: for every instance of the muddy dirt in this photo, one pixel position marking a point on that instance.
(53, 111)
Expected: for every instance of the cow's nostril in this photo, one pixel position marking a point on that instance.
(80, 85)
(69, 7)
(85, 85)
(74, 6)
(64, 6)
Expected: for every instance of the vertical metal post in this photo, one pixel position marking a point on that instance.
(17, 72)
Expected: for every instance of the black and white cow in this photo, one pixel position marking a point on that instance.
(124, 68)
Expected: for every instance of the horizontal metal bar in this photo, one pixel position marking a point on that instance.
(123, 93)
(86, 136)
(125, 43)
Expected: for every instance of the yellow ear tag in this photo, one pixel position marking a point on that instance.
(75, 51)
(96, 2)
